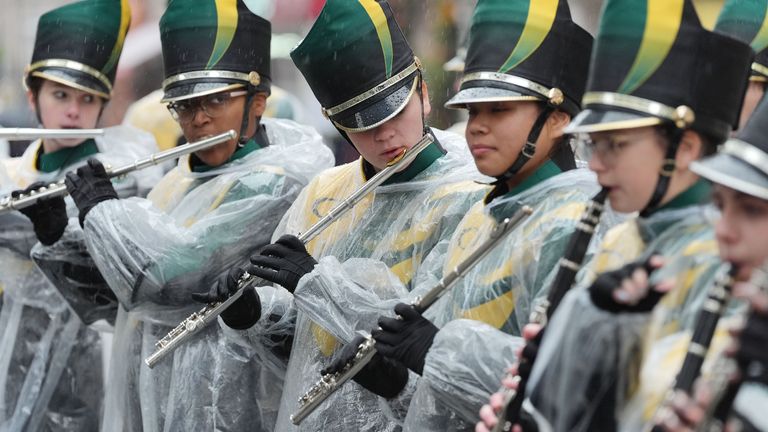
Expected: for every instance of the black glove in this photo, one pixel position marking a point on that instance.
(602, 289)
(89, 186)
(244, 312)
(48, 215)
(752, 353)
(382, 376)
(283, 262)
(407, 339)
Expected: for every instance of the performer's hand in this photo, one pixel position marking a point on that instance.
(627, 289)
(489, 413)
(406, 339)
(686, 413)
(244, 312)
(88, 186)
(382, 376)
(751, 338)
(284, 262)
(48, 215)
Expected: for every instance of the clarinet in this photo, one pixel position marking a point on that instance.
(726, 388)
(703, 332)
(569, 266)
(200, 319)
(329, 383)
(58, 189)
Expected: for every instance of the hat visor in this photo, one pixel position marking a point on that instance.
(72, 78)
(192, 89)
(601, 120)
(487, 94)
(378, 110)
(732, 172)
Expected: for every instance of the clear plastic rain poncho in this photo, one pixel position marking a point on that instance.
(593, 363)
(155, 252)
(368, 260)
(484, 314)
(50, 362)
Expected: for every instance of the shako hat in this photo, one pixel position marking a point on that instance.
(210, 46)
(525, 50)
(747, 20)
(79, 45)
(358, 64)
(742, 162)
(654, 63)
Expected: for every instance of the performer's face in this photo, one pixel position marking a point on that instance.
(214, 114)
(742, 228)
(497, 131)
(627, 163)
(64, 107)
(382, 144)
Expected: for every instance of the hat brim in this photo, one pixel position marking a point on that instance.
(600, 120)
(487, 94)
(732, 172)
(72, 78)
(373, 113)
(193, 89)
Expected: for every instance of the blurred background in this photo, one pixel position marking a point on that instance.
(436, 30)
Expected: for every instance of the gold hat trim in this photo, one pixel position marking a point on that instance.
(253, 77)
(416, 65)
(70, 64)
(682, 116)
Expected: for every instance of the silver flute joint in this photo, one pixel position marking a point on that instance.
(20, 134)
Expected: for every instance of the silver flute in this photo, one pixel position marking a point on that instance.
(58, 188)
(20, 134)
(329, 383)
(198, 320)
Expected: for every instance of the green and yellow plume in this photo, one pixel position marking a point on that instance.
(226, 13)
(662, 23)
(541, 16)
(379, 19)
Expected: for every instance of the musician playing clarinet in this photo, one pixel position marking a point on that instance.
(739, 173)
(215, 207)
(646, 122)
(363, 72)
(51, 361)
(520, 91)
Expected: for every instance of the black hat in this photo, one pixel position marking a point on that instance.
(654, 63)
(79, 45)
(742, 162)
(211, 46)
(358, 64)
(747, 20)
(525, 50)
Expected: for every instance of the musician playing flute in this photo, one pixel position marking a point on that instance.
(739, 173)
(651, 109)
(360, 67)
(214, 208)
(51, 361)
(524, 77)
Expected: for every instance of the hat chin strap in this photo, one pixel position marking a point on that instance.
(665, 175)
(243, 139)
(526, 154)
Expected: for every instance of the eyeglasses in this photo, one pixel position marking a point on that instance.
(608, 148)
(212, 105)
